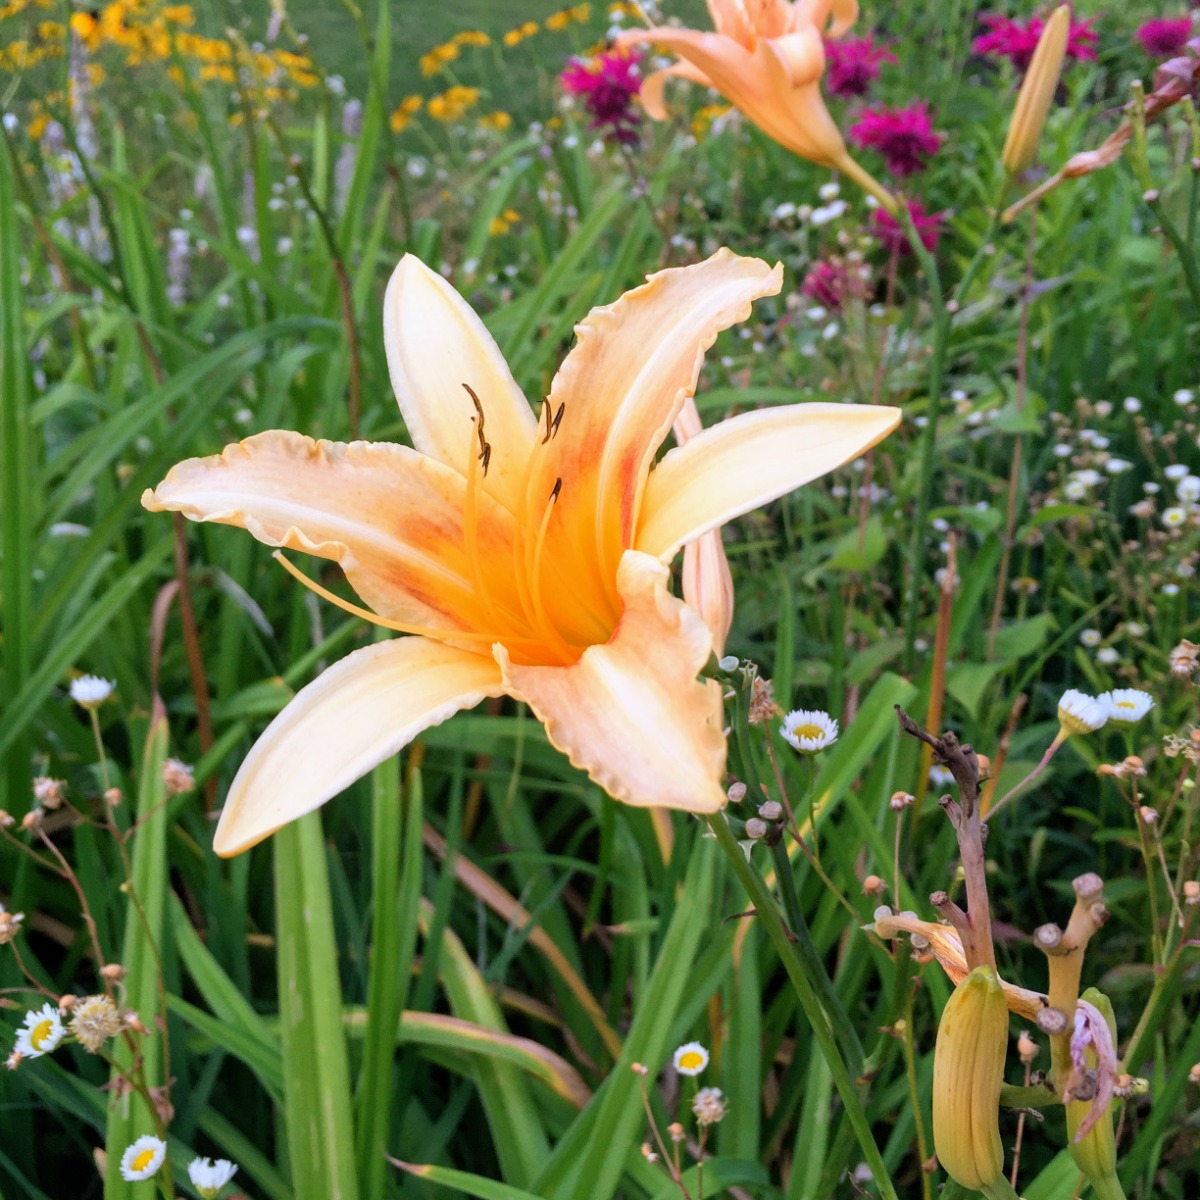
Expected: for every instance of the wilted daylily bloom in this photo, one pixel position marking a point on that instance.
(525, 556)
(766, 58)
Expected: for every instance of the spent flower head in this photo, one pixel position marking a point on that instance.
(96, 1019)
(809, 730)
(690, 1059)
(142, 1159)
(10, 925)
(708, 1106)
(40, 1032)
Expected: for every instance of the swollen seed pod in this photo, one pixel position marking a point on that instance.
(1095, 1153)
(968, 1070)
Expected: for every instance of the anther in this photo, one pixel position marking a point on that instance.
(485, 449)
(557, 489)
(552, 423)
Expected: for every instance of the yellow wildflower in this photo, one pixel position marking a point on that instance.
(702, 121)
(179, 14)
(453, 103)
(472, 37)
(558, 21)
(495, 120)
(404, 112)
(437, 58)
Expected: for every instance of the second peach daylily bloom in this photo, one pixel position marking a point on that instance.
(524, 556)
(766, 57)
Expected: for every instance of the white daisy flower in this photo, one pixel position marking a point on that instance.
(40, 1033)
(809, 730)
(209, 1177)
(690, 1059)
(1131, 404)
(940, 776)
(1175, 471)
(143, 1158)
(1090, 637)
(1188, 489)
(1107, 655)
(91, 690)
(1174, 516)
(1126, 705)
(1080, 713)
(1183, 397)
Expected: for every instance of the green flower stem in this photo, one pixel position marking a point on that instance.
(764, 905)
(802, 941)
(937, 368)
(1183, 247)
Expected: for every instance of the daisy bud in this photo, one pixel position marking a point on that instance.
(113, 797)
(901, 800)
(7, 820)
(676, 1131)
(113, 972)
(639, 1069)
(1027, 1048)
(1079, 713)
(873, 886)
(1148, 814)
(1036, 94)
(1191, 892)
(648, 1153)
(1194, 1073)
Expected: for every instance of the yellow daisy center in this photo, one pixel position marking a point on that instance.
(1125, 704)
(41, 1031)
(813, 732)
(143, 1160)
(691, 1061)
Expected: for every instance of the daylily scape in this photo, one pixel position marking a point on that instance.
(524, 555)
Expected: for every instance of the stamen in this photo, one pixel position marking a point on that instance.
(552, 425)
(535, 580)
(471, 522)
(437, 635)
(558, 416)
(485, 449)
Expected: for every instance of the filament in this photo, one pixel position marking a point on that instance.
(544, 623)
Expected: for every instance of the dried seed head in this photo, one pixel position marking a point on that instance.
(708, 1106)
(113, 797)
(737, 792)
(1088, 887)
(762, 703)
(49, 793)
(756, 828)
(32, 820)
(1183, 658)
(873, 886)
(772, 810)
(178, 777)
(900, 801)
(1099, 913)
(1027, 1048)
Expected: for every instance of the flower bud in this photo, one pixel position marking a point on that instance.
(1037, 91)
(968, 1070)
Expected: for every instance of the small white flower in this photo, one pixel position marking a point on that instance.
(1151, 489)
(1063, 450)
(1183, 397)
(1075, 490)
(1135, 629)
(40, 1033)
(1107, 655)
(1174, 516)
(690, 1059)
(828, 192)
(784, 212)
(940, 776)
(1117, 466)
(90, 690)
(1090, 637)
(1080, 713)
(209, 1177)
(1175, 471)
(1188, 489)
(1126, 705)
(143, 1158)
(1170, 589)
(809, 730)
(1131, 404)
(1088, 477)
(1104, 408)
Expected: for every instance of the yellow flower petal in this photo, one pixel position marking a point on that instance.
(621, 386)
(632, 713)
(392, 518)
(749, 460)
(435, 343)
(347, 721)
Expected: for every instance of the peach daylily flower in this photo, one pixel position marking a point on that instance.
(767, 58)
(523, 556)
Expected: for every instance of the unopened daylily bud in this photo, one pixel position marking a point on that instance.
(968, 1071)
(1037, 92)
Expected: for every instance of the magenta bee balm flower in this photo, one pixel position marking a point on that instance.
(852, 65)
(1165, 37)
(608, 84)
(1017, 41)
(890, 233)
(904, 136)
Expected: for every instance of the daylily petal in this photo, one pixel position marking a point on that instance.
(631, 712)
(622, 385)
(759, 83)
(348, 720)
(817, 12)
(749, 460)
(392, 518)
(651, 91)
(705, 580)
(729, 19)
(435, 343)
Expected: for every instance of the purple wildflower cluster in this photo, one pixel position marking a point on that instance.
(608, 84)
